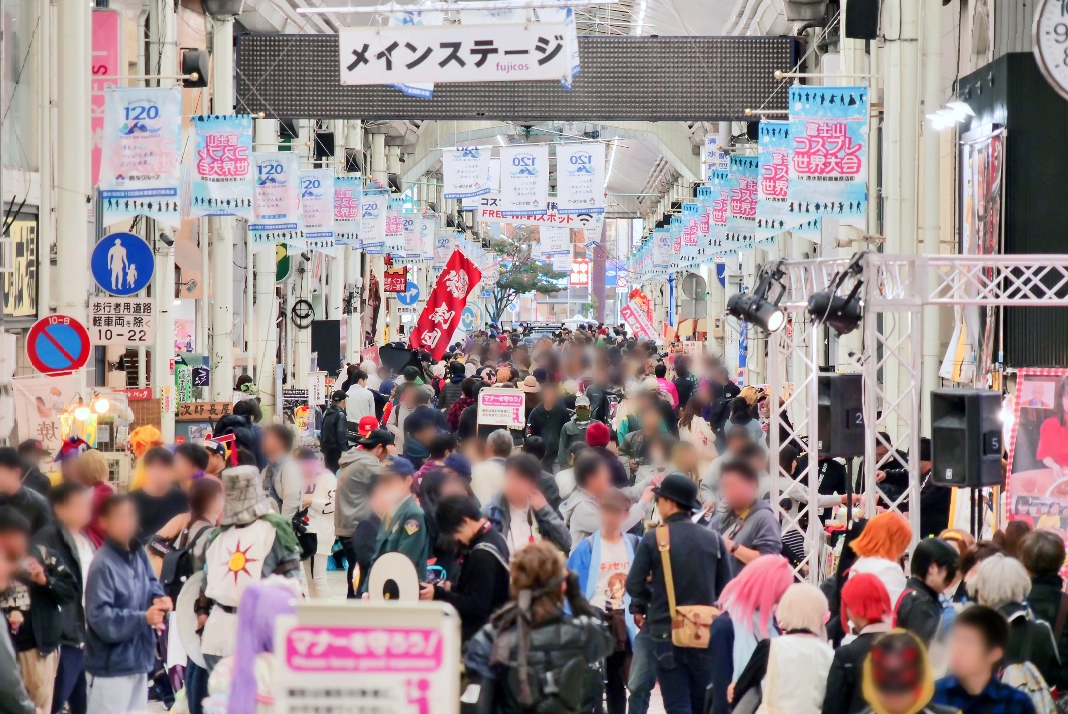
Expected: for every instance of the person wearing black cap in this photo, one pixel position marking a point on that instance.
(683, 672)
(333, 434)
(31, 452)
(354, 481)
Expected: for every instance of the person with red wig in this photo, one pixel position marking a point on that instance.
(598, 437)
(880, 549)
(866, 613)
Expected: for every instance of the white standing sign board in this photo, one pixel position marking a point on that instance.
(453, 53)
(390, 657)
(502, 407)
(122, 321)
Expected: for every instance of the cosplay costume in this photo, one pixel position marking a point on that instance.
(898, 664)
(252, 542)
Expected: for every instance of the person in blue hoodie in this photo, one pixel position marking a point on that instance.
(601, 563)
(124, 606)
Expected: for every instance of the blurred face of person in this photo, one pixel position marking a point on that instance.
(549, 396)
(13, 548)
(736, 443)
(76, 513)
(158, 476)
(120, 525)
(184, 469)
(381, 501)
(453, 486)
(216, 463)
(650, 421)
(968, 655)
(273, 447)
(10, 480)
(425, 434)
(310, 469)
(517, 489)
(686, 460)
(612, 519)
(704, 394)
(758, 461)
(408, 398)
(397, 489)
(738, 492)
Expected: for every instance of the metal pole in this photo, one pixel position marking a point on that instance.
(932, 200)
(73, 134)
(46, 227)
(222, 323)
(266, 306)
(336, 283)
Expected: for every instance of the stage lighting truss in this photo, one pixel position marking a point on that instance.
(896, 287)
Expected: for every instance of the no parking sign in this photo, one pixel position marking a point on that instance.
(57, 344)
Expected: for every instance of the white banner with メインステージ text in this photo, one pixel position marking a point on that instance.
(453, 53)
(524, 180)
(140, 168)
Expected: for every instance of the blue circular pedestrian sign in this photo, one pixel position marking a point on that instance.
(122, 264)
(409, 296)
(471, 318)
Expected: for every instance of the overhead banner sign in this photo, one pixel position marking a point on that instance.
(719, 204)
(554, 241)
(394, 244)
(422, 90)
(637, 322)
(489, 211)
(140, 170)
(524, 180)
(317, 200)
(278, 217)
(373, 207)
(580, 177)
(774, 179)
(348, 191)
(466, 172)
(418, 54)
(741, 225)
(829, 162)
(222, 177)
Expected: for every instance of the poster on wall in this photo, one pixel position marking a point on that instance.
(829, 161)
(278, 214)
(221, 178)
(1037, 485)
(40, 402)
(140, 169)
(20, 283)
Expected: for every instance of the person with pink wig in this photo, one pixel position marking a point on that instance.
(748, 604)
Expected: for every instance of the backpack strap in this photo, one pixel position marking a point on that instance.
(1062, 615)
(663, 544)
(897, 605)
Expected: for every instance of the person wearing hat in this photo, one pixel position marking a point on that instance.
(31, 451)
(574, 430)
(358, 466)
(602, 562)
(683, 672)
(334, 432)
(217, 454)
(452, 390)
(748, 527)
(403, 528)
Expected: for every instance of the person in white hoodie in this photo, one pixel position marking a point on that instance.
(593, 479)
(359, 402)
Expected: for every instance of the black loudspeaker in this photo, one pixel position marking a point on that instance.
(326, 343)
(862, 20)
(841, 415)
(966, 437)
(324, 145)
(288, 129)
(195, 62)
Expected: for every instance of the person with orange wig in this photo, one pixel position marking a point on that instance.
(866, 613)
(139, 442)
(880, 549)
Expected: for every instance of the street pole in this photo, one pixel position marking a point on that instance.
(335, 296)
(266, 307)
(932, 199)
(72, 181)
(222, 228)
(46, 227)
(354, 260)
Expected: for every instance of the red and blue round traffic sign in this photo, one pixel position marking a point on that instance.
(57, 344)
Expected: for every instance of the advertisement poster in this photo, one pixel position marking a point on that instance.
(428, 223)
(524, 179)
(502, 407)
(741, 224)
(466, 172)
(317, 199)
(490, 211)
(347, 193)
(394, 244)
(1037, 485)
(829, 163)
(373, 207)
(140, 169)
(691, 227)
(107, 54)
(580, 177)
(554, 241)
(661, 249)
(774, 183)
(278, 215)
(222, 177)
(637, 322)
(719, 202)
(39, 404)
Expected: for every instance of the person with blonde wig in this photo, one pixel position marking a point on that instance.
(139, 442)
(789, 673)
(879, 550)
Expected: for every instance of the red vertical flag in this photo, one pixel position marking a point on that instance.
(447, 300)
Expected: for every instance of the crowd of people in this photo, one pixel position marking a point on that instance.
(622, 540)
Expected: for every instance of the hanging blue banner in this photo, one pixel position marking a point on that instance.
(719, 202)
(829, 161)
(741, 225)
(221, 178)
(774, 157)
(278, 210)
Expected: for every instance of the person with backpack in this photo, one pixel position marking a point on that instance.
(602, 563)
(935, 564)
(334, 433)
(533, 655)
(978, 642)
(1030, 654)
(899, 679)
(1042, 554)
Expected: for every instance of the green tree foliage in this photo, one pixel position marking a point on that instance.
(519, 274)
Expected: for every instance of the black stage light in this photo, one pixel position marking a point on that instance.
(755, 307)
(843, 314)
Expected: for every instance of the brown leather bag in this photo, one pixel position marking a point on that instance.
(691, 625)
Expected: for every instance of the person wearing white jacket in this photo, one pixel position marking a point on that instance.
(697, 431)
(320, 486)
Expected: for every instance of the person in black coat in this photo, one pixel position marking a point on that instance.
(72, 506)
(13, 492)
(1042, 553)
(934, 566)
(334, 435)
(31, 451)
(866, 610)
(482, 587)
(547, 421)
